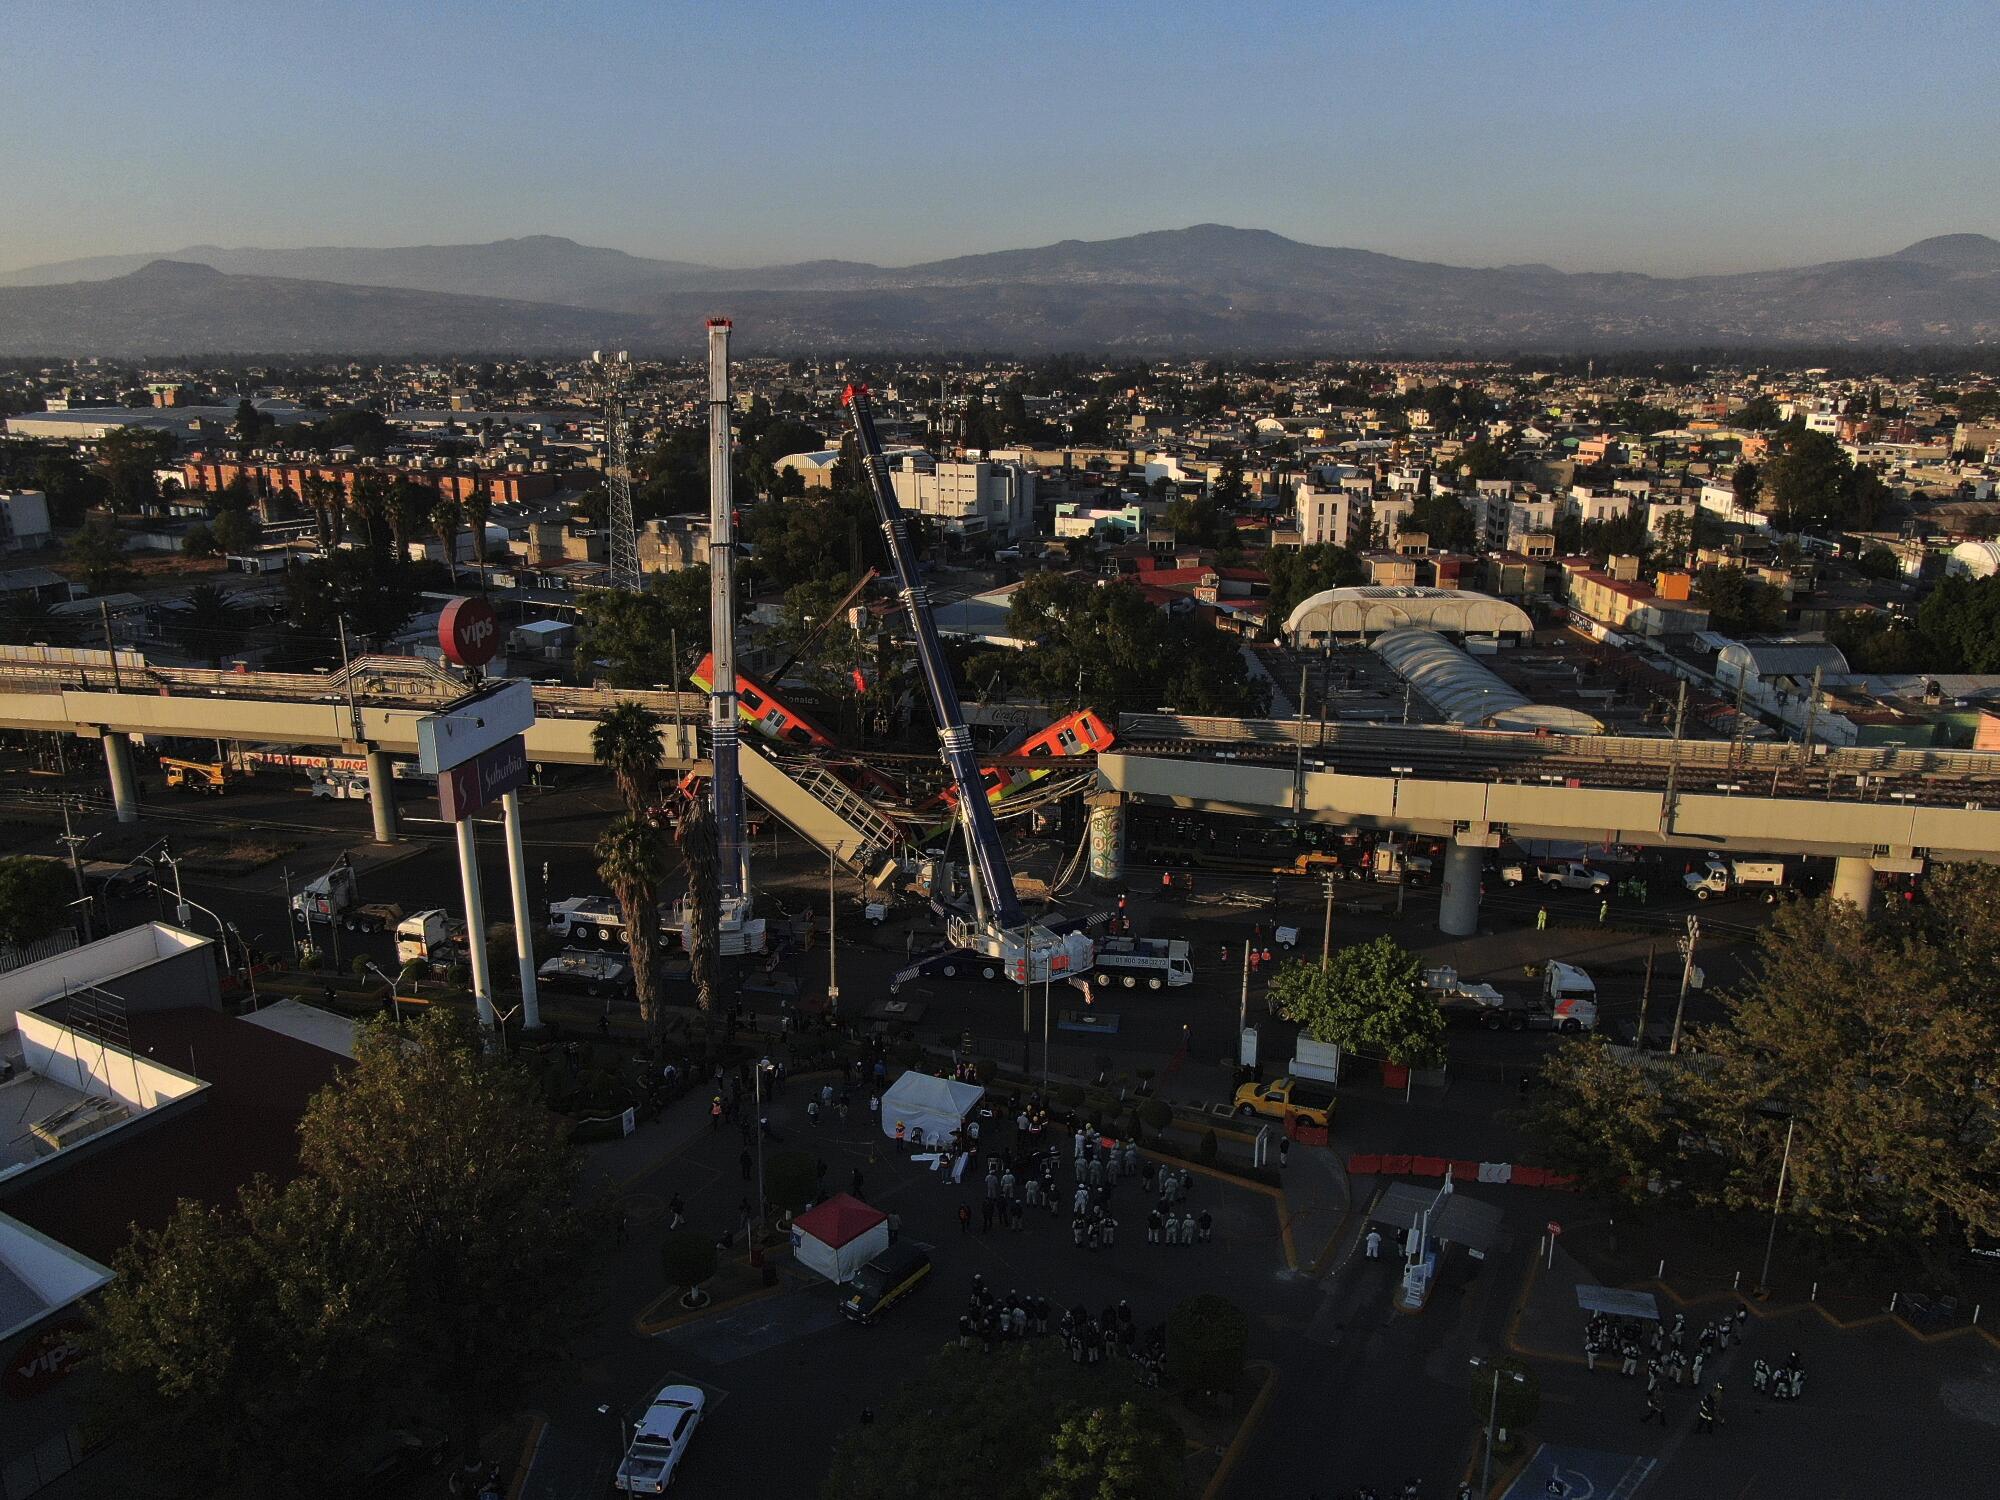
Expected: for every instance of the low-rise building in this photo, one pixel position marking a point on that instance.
(24, 520)
(968, 499)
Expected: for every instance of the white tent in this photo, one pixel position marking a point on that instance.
(937, 1106)
(839, 1237)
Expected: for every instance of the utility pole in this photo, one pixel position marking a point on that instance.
(1687, 975)
(110, 645)
(74, 841)
(1243, 1004)
(1645, 1003)
(832, 937)
(1778, 1198)
(1674, 760)
(674, 654)
(1326, 932)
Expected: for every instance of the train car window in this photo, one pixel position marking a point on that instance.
(1039, 749)
(750, 699)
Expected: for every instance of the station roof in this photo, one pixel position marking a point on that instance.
(1370, 610)
(1467, 693)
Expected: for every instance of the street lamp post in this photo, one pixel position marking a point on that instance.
(1687, 945)
(1493, 1415)
(1777, 1198)
(1326, 932)
(832, 940)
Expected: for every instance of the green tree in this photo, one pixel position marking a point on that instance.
(789, 1178)
(237, 531)
(633, 635)
(129, 457)
(1508, 1392)
(34, 899)
(445, 1158)
(250, 425)
(478, 507)
(626, 742)
(447, 520)
(1810, 484)
(208, 625)
(375, 602)
(1874, 1042)
(1369, 999)
(1443, 517)
(630, 861)
(704, 894)
(198, 541)
(1126, 1452)
(687, 1259)
(1482, 458)
(1878, 563)
(98, 553)
(1297, 575)
(250, 1345)
(1960, 619)
(1207, 1339)
(1736, 602)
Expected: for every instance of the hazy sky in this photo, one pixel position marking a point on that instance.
(1660, 137)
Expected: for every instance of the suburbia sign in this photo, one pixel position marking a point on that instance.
(483, 780)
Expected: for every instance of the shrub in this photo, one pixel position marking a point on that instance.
(1207, 1337)
(788, 1178)
(358, 966)
(1210, 1148)
(1157, 1115)
(687, 1258)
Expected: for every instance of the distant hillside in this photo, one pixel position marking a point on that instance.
(1186, 290)
(169, 307)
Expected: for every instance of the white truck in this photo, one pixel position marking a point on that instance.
(1570, 875)
(1567, 1001)
(428, 937)
(1158, 963)
(587, 919)
(1723, 877)
(328, 898)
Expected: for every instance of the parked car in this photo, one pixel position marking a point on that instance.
(582, 971)
(885, 1281)
(660, 1441)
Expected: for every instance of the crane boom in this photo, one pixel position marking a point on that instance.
(992, 879)
(732, 852)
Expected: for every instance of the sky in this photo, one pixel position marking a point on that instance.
(1659, 137)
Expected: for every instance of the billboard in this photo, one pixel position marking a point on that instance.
(483, 780)
(469, 632)
(474, 724)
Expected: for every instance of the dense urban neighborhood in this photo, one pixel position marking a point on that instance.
(1328, 727)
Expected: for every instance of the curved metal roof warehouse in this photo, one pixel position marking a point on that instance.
(1466, 692)
(1369, 610)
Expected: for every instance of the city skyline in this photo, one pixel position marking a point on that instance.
(1556, 135)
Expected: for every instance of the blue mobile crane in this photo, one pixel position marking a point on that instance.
(996, 939)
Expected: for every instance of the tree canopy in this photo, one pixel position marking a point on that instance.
(34, 899)
(634, 634)
(1109, 647)
(261, 1345)
(1808, 483)
(1296, 575)
(1876, 1040)
(1369, 999)
(1736, 602)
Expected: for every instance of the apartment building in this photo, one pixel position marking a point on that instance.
(968, 499)
(1342, 516)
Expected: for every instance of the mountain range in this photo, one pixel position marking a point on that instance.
(1209, 287)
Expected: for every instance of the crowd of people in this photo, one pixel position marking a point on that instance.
(1114, 1333)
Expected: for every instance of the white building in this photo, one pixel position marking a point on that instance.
(1720, 500)
(968, 499)
(1506, 514)
(1337, 516)
(24, 520)
(1591, 506)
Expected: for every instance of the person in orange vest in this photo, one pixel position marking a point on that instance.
(1267, 955)
(901, 1144)
(1254, 960)
(715, 1113)
(1166, 880)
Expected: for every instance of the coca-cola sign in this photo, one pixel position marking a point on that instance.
(469, 632)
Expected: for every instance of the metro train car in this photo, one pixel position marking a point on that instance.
(1081, 733)
(759, 706)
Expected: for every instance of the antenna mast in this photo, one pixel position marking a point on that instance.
(618, 475)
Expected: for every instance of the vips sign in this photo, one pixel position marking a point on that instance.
(485, 779)
(469, 632)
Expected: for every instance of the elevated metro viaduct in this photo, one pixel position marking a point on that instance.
(1880, 810)
(1472, 788)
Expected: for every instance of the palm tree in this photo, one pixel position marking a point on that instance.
(478, 505)
(697, 841)
(371, 506)
(407, 511)
(317, 493)
(208, 624)
(630, 863)
(627, 742)
(448, 516)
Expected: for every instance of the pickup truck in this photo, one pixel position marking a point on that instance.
(1571, 876)
(1721, 877)
(1288, 1098)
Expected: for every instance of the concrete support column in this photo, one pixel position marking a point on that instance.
(382, 795)
(1854, 882)
(524, 932)
(124, 784)
(1107, 836)
(1458, 894)
(475, 922)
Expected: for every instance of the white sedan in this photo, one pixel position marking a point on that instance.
(660, 1441)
